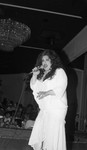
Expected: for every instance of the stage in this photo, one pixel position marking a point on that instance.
(14, 139)
(17, 139)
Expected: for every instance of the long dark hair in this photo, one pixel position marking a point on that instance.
(55, 61)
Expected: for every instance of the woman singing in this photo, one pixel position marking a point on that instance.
(49, 83)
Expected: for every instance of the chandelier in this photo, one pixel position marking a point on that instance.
(12, 34)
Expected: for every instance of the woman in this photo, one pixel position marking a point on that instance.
(49, 83)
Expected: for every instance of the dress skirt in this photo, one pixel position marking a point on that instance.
(49, 131)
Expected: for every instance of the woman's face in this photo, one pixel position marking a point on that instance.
(46, 63)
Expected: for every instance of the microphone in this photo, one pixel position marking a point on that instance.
(38, 68)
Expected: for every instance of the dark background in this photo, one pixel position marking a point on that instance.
(53, 24)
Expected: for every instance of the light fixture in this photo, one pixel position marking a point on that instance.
(12, 34)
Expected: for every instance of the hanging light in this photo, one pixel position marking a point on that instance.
(12, 34)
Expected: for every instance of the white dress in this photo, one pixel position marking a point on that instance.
(49, 128)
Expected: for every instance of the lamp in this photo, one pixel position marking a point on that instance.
(12, 34)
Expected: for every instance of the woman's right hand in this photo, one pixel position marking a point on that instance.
(35, 71)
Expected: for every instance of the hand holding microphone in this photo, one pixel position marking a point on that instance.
(35, 73)
(36, 70)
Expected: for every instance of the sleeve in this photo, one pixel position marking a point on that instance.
(60, 83)
(31, 85)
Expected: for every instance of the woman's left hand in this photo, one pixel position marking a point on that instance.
(41, 94)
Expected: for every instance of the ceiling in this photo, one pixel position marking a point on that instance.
(53, 24)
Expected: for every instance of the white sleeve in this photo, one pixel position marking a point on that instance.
(31, 85)
(60, 83)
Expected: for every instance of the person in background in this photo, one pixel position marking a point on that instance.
(49, 86)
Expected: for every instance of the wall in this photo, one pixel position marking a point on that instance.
(13, 87)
